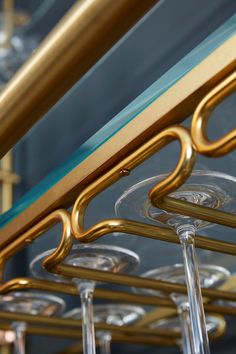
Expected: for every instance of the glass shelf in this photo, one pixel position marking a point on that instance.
(197, 55)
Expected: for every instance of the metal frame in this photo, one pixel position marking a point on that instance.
(79, 40)
(172, 107)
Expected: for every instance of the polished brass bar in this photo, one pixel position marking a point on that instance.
(58, 255)
(159, 313)
(77, 348)
(139, 282)
(124, 296)
(75, 334)
(8, 18)
(7, 179)
(175, 179)
(46, 330)
(68, 323)
(172, 107)
(19, 284)
(197, 211)
(79, 40)
(202, 114)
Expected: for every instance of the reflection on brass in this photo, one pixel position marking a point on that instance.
(58, 255)
(202, 114)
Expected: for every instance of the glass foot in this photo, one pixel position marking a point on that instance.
(207, 188)
(113, 314)
(94, 256)
(32, 303)
(211, 276)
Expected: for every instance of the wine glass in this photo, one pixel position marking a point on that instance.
(207, 188)
(29, 303)
(112, 314)
(210, 276)
(95, 256)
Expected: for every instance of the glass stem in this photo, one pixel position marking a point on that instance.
(186, 344)
(200, 338)
(19, 343)
(104, 338)
(86, 289)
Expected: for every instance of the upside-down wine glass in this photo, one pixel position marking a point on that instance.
(207, 188)
(112, 314)
(210, 277)
(95, 256)
(29, 303)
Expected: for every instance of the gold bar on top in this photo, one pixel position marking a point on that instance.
(69, 51)
(202, 114)
(171, 107)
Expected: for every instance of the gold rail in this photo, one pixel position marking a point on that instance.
(203, 113)
(116, 336)
(74, 226)
(58, 255)
(124, 296)
(171, 107)
(79, 40)
(69, 323)
(217, 148)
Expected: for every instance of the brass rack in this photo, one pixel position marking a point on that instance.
(172, 107)
(139, 150)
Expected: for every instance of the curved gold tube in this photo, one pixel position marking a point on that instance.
(220, 330)
(202, 114)
(178, 176)
(173, 181)
(61, 251)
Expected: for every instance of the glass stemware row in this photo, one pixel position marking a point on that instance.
(209, 189)
(206, 188)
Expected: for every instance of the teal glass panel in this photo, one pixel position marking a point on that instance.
(198, 54)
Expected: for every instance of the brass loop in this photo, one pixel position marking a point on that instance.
(201, 116)
(61, 251)
(173, 181)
